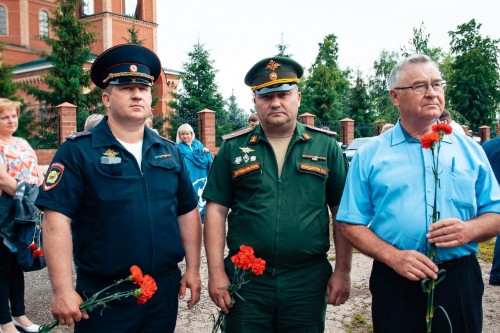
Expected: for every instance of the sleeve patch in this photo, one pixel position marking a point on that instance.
(54, 175)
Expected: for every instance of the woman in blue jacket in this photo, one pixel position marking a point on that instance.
(198, 161)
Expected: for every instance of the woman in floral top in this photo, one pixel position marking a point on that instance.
(18, 162)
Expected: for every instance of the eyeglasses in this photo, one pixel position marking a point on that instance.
(422, 88)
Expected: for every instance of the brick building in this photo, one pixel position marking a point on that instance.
(24, 22)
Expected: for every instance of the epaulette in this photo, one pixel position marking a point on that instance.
(78, 135)
(331, 133)
(237, 133)
(168, 140)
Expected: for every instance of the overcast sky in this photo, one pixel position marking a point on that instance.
(239, 33)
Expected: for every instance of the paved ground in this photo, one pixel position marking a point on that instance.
(352, 317)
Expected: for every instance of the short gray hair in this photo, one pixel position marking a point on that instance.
(92, 121)
(393, 79)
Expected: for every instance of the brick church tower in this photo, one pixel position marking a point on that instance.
(23, 22)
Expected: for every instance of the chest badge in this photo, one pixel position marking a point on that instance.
(110, 153)
(245, 157)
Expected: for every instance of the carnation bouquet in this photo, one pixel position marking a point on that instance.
(145, 290)
(244, 261)
(432, 141)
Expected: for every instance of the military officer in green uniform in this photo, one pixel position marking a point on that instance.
(276, 181)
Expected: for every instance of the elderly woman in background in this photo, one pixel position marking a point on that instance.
(92, 121)
(18, 163)
(198, 161)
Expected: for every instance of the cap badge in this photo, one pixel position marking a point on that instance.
(272, 65)
(133, 68)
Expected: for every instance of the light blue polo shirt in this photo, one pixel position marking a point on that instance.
(390, 189)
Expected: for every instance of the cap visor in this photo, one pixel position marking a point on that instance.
(130, 80)
(277, 88)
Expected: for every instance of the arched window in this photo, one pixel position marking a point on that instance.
(88, 7)
(131, 8)
(43, 22)
(3, 20)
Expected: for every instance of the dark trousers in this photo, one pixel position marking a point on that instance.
(288, 302)
(495, 269)
(159, 314)
(11, 286)
(399, 305)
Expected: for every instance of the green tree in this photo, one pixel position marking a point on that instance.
(379, 93)
(359, 107)
(198, 91)
(282, 48)
(326, 89)
(420, 44)
(27, 125)
(474, 79)
(236, 115)
(66, 79)
(133, 37)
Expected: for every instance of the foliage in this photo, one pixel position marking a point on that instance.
(326, 89)
(198, 92)
(474, 79)
(27, 125)
(282, 49)
(134, 36)
(236, 116)
(379, 93)
(67, 81)
(420, 44)
(486, 249)
(360, 106)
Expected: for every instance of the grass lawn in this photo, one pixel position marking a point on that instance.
(486, 250)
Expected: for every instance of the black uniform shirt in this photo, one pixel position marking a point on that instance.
(121, 215)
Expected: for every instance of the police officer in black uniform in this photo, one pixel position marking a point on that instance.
(116, 196)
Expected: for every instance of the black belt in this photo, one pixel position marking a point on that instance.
(454, 263)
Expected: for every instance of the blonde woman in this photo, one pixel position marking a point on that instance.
(18, 162)
(198, 160)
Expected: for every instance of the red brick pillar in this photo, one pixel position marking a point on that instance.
(307, 119)
(484, 133)
(346, 131)
(206, 129)
(67, 121)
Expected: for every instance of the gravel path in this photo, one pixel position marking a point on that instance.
(352, 317)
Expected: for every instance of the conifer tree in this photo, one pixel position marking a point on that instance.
(198, 91)
(66, 79)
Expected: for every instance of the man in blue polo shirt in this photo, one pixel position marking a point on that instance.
(388, 200)
(119, 195)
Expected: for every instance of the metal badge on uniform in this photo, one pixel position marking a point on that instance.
(54, 175)
(110, 157)
(314, 158)
(247, 157)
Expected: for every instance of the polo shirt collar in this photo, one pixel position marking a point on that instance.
(400, 135)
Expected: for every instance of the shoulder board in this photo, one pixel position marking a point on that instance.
(78, 135)
(166, 139)
(316, 129)
(237, 133)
